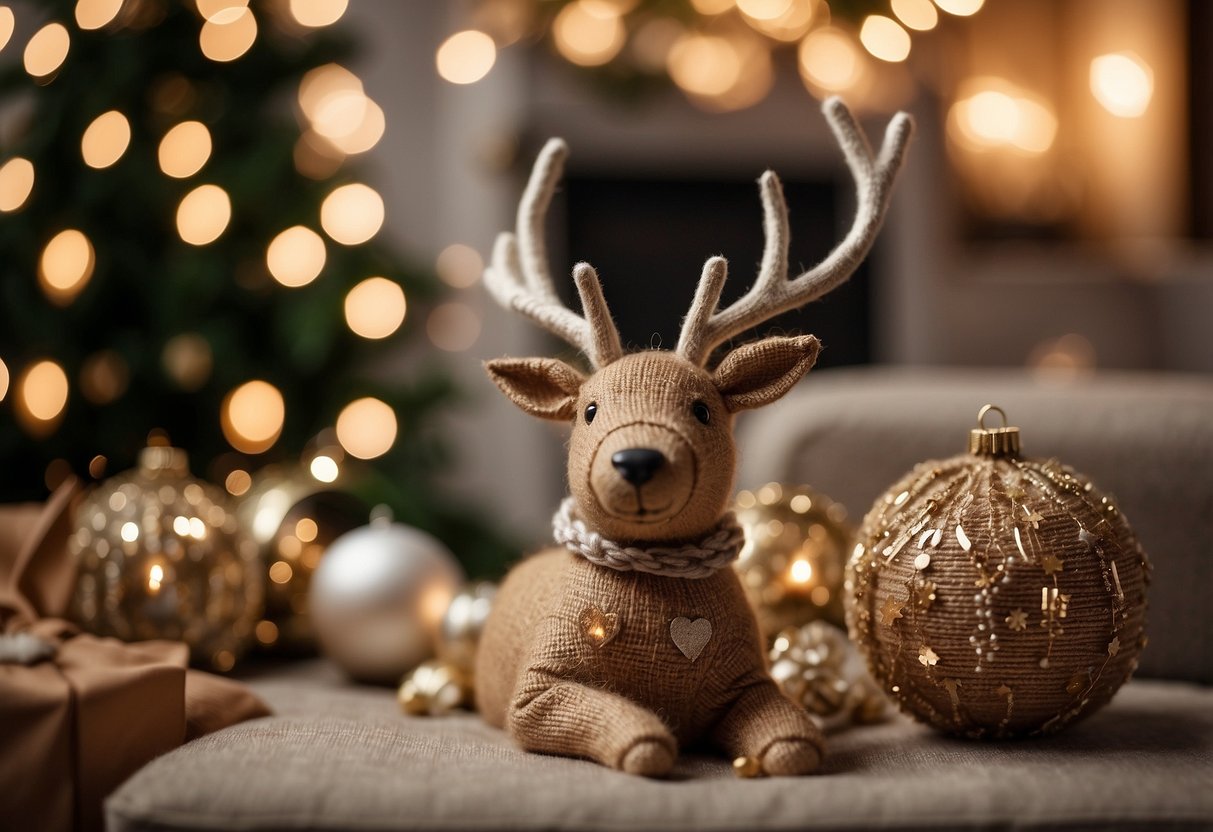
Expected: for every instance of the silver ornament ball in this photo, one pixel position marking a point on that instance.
(378, 597)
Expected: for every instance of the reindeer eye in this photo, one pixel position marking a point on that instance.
(701, 412)
(591, 410)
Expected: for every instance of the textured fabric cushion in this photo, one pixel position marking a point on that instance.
(339, 757)
(1146, 439)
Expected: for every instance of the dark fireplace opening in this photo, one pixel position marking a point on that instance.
(649, 237)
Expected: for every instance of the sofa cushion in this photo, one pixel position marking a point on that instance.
(1145, 438)
(342, 757)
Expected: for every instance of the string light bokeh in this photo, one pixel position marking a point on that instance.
(336, 119)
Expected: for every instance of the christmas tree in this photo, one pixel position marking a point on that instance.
(187, 248)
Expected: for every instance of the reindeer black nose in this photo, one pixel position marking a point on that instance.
(637, 465)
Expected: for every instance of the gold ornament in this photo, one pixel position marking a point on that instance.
(159, 555)
(378, 598)
(1020, 588)
(434, 688)
(459, 633)
(794, 558)
(817, 667)
(292, 517)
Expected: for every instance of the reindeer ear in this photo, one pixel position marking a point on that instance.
(760, 372)
(543, 387)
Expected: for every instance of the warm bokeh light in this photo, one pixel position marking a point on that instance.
(3, 379)
(339, 113)
(999, 115)
(453, 326)
(364, 133)
(105, 140)
(252, 417)
(801, 571)
(916, 14)
(238, 482)
(203, 214)
(459, 266)
(65, 266)
(650, 45)
(210, 8)
(188, 360)
(792, 24)
(16, 183)
(324, 469)
(41, 396)
(93, 14)
(366, 428)
(704, 65)
(465, 57)
(375, 308)
(104, 377)
(47, 50)
(316, 157)
(830, 61)
(7, 23)
(317, 13)
(352, 214)
(228, 34)
(185, 149)
(589, 32)
(1122, 83)
(884, 38)
(960, 8)
(712, 6)
(764, 9)
(1064, 358)
(296, 256)
(322, 82)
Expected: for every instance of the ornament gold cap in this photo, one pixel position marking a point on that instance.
(1003, 441)
(163, 458)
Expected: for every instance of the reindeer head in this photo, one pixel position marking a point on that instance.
(652, 458)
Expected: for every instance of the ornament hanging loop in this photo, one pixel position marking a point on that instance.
(1003, 441)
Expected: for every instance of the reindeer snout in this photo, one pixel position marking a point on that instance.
(637, 465)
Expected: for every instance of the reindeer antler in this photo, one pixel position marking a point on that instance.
(772, 293)
(520, 278)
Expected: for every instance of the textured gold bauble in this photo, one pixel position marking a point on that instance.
(434, 688)
(794, 558)
(996, 596)
(817, 667)
(292, 517)
(459, 632)
(160, 555)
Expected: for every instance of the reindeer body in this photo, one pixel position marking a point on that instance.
(637, 639)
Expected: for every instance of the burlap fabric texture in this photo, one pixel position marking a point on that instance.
(594, 662)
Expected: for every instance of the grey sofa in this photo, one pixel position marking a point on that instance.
(336, 756)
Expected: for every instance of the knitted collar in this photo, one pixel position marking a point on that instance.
(691, 560)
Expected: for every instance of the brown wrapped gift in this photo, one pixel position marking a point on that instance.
(80, 714)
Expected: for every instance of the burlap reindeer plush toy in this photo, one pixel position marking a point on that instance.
(633, 637)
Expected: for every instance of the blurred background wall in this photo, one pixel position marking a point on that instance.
(1086, 250)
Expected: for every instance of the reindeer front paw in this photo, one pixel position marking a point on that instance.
(791, 757)
(649, 758)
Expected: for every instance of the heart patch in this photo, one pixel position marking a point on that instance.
(690, 637)
(599, 627)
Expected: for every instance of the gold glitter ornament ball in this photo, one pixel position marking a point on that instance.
(159, 556)
(995, 596)
(794, 558)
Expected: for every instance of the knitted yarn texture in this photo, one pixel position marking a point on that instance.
(691, 560)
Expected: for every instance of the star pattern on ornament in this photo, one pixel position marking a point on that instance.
(983, 580)
(928, 657)
(890, 611)
(1017, 620)
(922, 595)
(1051, 564)
(1032, 517)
